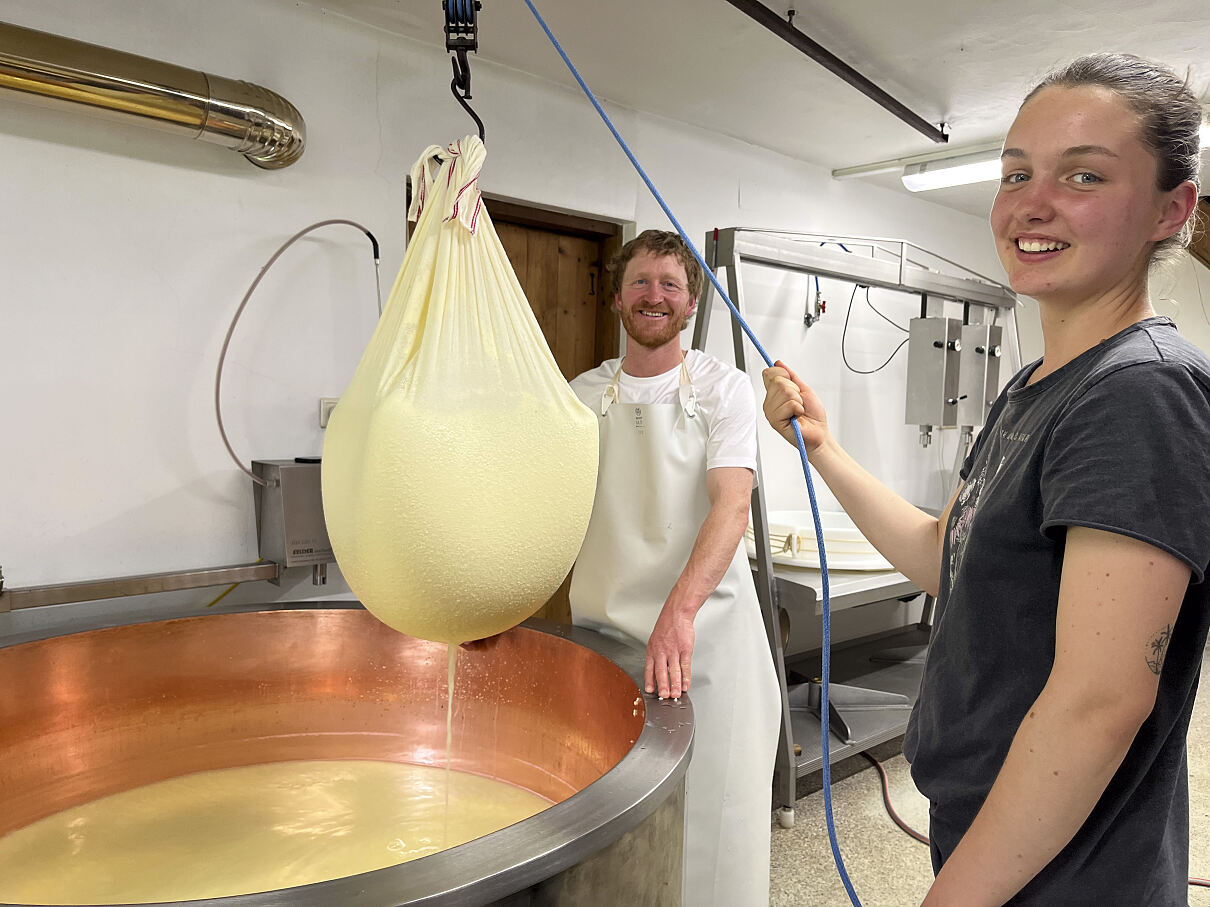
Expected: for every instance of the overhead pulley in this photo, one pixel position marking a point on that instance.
(461, 38)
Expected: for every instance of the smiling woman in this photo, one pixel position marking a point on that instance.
(1169, 120)
(1074, 223)
(1070, 567)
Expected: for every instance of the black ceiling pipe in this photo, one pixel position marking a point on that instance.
(787, 32)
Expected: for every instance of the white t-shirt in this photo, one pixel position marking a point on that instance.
(724, 400)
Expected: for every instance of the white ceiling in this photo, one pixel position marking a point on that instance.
(705, 63)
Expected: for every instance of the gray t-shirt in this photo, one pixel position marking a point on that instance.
(1118, 439)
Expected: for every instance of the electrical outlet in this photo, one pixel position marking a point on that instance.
(326, 405)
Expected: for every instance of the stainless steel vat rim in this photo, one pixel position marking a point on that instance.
(487, 868)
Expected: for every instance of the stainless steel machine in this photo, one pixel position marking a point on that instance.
(290, 528)
(953, 372)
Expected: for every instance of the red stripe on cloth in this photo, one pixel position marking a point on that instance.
(458, 201)
(420, 199)
(458, 197)
(455, 150)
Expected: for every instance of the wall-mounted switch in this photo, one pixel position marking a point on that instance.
(326, 405)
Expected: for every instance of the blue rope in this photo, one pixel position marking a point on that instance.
(802, 453)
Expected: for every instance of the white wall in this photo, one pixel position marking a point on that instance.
(124, 253)
(1181, 291)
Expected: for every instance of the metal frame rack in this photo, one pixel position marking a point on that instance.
(886, 263)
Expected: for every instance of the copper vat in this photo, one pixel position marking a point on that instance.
(553, 709)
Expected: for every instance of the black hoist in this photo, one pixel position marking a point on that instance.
(461, 38)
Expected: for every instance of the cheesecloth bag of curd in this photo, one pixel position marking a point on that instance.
(458, 467)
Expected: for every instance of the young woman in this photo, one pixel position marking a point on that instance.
(1070, 566)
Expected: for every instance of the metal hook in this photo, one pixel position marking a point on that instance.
(462, 83)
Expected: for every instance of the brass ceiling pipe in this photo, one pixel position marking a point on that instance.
(53, 71)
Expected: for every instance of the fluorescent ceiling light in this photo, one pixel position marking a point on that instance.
(933, 171)
(896, 165)
(952, 171)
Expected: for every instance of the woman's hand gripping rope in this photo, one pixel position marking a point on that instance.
(787, 397)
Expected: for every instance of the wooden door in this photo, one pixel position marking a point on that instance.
(1200, 247)
(559, 261)
(561, 269)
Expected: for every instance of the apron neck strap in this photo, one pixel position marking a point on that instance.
(687, 392)
(610, 395)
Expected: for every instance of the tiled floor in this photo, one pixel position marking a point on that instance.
(889, 869)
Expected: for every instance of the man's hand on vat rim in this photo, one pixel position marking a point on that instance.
(670, 653)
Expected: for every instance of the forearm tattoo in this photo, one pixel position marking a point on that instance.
(1157, 648)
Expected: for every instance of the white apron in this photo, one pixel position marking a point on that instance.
(651, 501)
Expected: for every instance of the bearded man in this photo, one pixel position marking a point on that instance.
(663, 563)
